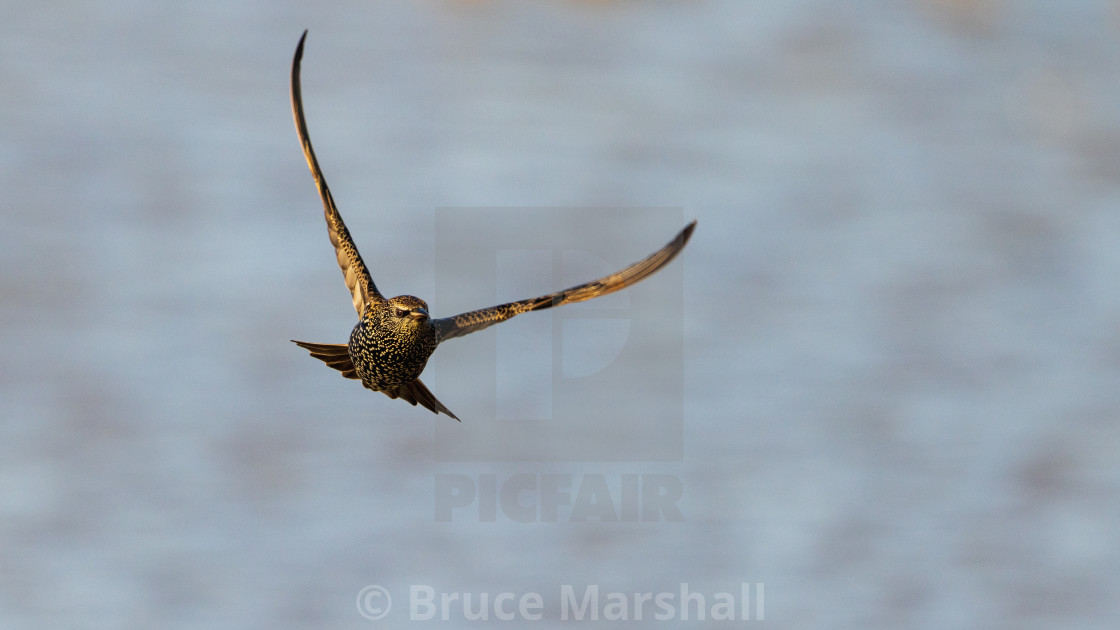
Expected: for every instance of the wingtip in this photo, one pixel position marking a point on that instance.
(299, 47)
(686, 233)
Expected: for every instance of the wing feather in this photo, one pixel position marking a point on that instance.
(472, 321)
(354, 272)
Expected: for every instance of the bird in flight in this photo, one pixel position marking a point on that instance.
(394, 337)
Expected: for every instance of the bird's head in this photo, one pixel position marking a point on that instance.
(407, 311)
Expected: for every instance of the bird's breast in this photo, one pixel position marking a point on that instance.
(386, 358)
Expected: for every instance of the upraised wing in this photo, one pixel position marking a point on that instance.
(472, 321)
(354, 271)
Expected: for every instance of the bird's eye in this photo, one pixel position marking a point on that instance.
(401, 312)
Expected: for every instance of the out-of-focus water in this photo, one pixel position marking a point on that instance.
(900, 308)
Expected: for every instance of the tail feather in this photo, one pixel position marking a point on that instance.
(337, 356)
(334, 355)
(415, 392)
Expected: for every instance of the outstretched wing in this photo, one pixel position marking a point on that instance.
(466, 323)
(354, 270)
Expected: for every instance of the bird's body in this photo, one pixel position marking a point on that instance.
(389, 347)
(393, 339)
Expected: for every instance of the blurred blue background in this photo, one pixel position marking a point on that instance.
(901, 313)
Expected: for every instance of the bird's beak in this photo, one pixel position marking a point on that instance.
(418, 314)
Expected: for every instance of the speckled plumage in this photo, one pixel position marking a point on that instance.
(394, 337)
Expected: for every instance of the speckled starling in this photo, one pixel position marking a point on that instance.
(394, 337)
